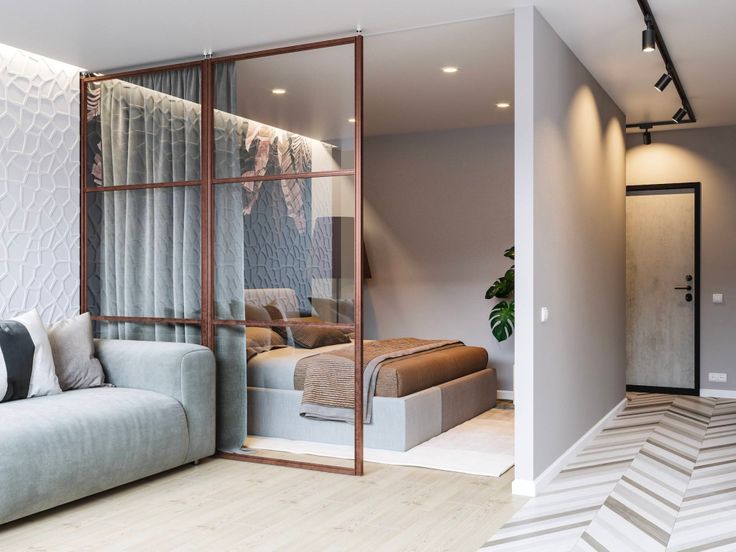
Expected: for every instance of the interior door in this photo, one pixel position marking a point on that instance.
(662, 234)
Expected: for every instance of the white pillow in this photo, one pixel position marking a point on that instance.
(26, 363)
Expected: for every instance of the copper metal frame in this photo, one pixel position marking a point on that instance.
(207, 322)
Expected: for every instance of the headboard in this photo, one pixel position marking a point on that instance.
(285, 299)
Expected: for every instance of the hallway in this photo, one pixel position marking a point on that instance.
(659, 477)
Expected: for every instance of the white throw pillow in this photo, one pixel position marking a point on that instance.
(26, 362)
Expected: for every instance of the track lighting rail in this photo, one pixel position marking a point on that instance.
(689, 116)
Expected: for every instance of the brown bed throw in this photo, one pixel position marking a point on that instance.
(329, 378)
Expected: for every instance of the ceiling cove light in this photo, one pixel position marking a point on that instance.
(648, 42)
(278, 91)
(449, 69)
(663, 81)
(503, 105)
(679, 115)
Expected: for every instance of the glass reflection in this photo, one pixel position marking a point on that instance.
(285, 114)
(288, 242)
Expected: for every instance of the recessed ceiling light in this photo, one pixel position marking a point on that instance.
(278, 91)
(351, 120)
(503, 105)
(449, 69)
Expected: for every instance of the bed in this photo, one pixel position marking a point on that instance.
(416, 397)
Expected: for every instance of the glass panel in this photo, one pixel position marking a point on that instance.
(288, 113)
(288, 244)
(178, 333)
(143, 252)
(144, 129)
(275, 410)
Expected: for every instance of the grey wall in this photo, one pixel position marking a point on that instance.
(39, 185)
(438, 217)
(707, 156)
(570, 238)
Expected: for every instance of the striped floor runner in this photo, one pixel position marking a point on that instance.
(661, 476)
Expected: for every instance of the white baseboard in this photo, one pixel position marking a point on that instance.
(527, 487)
(718, 393)
(504, 395)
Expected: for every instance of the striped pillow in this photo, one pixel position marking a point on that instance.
(26, 363)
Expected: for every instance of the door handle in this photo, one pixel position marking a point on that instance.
(686, 288)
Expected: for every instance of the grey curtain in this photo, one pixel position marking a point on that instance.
(145, 245)
(148, 250)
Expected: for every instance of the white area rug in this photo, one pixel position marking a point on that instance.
(483, 445)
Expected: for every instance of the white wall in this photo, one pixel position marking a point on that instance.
(39, 185)
(570, 246)
(703, 155)
(438, 217)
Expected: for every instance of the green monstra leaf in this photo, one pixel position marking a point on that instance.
(501, 288)
(502, 320)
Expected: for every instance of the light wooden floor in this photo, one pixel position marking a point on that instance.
(229, 505)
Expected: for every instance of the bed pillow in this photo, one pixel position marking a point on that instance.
(342, 311)
(73, 348)
(261, 340)
(307, 337)
(255, 312)
(26, 363)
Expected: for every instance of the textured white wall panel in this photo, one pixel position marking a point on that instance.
(39, 185)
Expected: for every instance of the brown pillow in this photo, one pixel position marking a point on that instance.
(307, 337)
(254, 312)
(261, 340)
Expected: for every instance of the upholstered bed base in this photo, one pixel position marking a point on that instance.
(398, 423)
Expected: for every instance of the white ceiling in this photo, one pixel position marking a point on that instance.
(604, 34)
(405, 88)
(319, 97)
(123, 33)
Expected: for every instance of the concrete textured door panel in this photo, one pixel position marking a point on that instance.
(660, 319)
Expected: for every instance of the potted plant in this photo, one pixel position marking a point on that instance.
(502, 313)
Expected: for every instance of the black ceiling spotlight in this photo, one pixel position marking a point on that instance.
(648, 36)
(646, 135)
(679, 115)
(652, 39)
(663, 81)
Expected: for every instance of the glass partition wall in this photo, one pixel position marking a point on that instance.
(222, 205)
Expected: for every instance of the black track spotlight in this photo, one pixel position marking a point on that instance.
(663, 81)
(648, 42)
(679, 115)
(647, 136)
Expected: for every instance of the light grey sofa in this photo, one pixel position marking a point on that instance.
(159, 415)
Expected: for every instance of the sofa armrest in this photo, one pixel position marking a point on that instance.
(183, 371)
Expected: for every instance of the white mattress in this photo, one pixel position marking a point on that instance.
(275, 369)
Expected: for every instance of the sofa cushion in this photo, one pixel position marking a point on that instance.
(26, 363)
(59, 448)
(74, 353)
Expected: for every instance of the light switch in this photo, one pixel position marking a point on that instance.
(543, 314)
(718, 298)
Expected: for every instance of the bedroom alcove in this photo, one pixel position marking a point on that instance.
(223, 204)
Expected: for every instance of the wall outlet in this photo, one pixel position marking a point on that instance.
(717, 377)
(718, 298)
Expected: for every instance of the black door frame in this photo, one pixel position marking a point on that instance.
(695, 188)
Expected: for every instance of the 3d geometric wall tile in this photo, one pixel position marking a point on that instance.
(39, 185)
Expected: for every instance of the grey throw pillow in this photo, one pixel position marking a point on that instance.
(74, 353)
